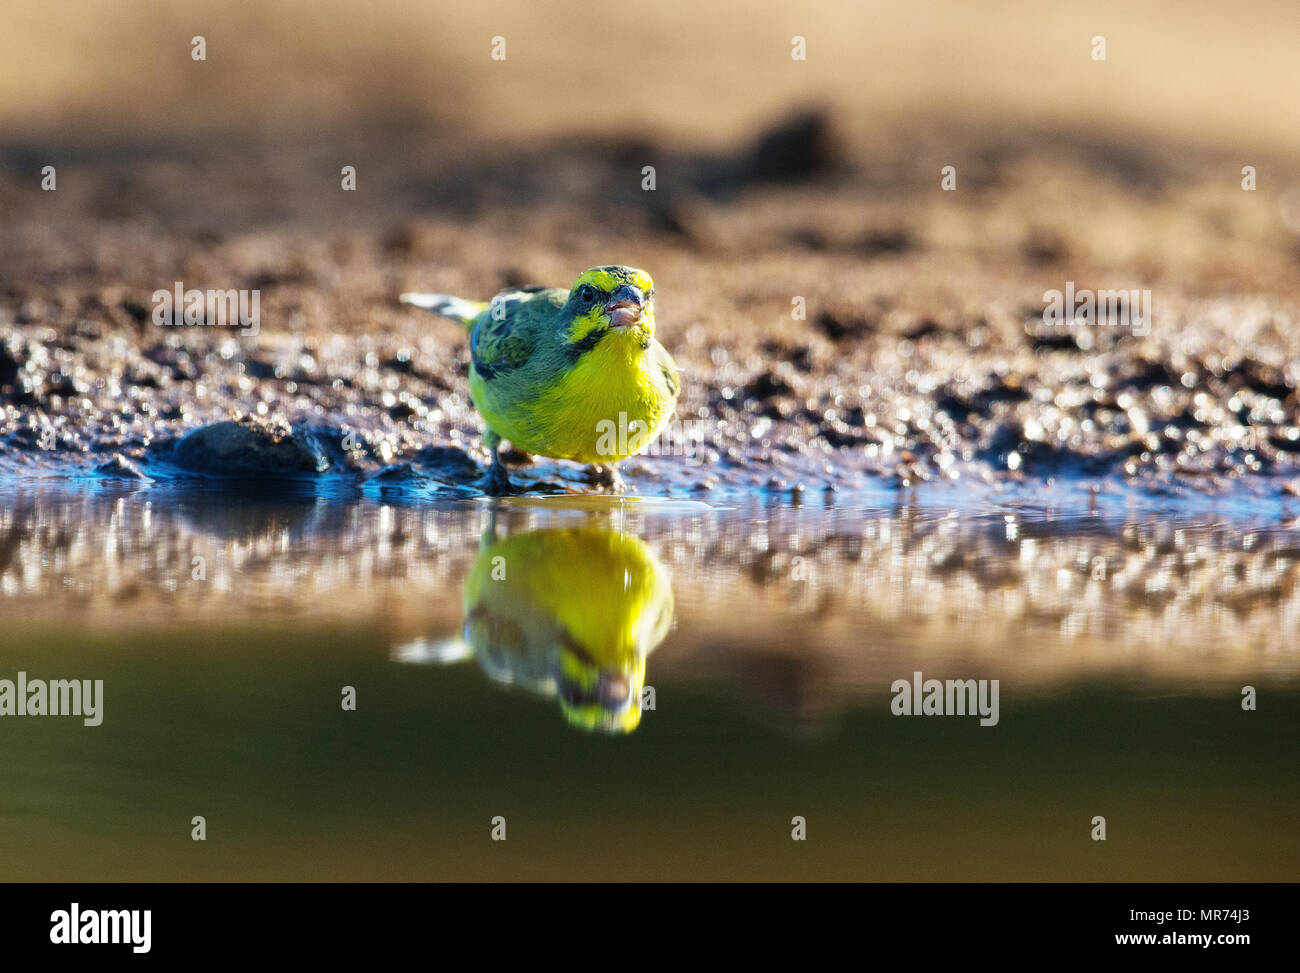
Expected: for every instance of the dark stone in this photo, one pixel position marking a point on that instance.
(258, 369)
(792, 150)
(136, 311)
(924, 329)
(400, 473)
(766, 386)
(9, 365)
(879, 243)
(250, 448)
(447, 463)
(840, 328)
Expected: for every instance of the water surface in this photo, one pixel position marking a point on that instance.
(500, 654)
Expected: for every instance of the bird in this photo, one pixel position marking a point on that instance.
(568, 613)
(571, 374)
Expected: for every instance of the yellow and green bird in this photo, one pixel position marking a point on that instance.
(573, 614)
(571, 374)
(567, 613)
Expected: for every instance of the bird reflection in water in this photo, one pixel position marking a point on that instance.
(568, 613)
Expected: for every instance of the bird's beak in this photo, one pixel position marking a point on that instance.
(625, 306)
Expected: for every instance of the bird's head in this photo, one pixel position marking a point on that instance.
(610, 303)
(595, 696)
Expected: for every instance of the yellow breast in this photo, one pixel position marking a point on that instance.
(608, 406)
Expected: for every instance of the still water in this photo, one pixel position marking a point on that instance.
(644, 689)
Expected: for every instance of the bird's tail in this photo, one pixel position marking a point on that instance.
(456, 308)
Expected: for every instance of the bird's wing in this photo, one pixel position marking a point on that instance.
(667, 368)
(505, 338)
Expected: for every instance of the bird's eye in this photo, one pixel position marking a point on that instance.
(588, 294)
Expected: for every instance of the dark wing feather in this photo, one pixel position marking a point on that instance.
(506, 335)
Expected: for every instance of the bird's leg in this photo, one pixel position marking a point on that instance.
(497, 481)
(607, 475)
(489, 535)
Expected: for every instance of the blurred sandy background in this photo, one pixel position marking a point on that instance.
(1200, 71)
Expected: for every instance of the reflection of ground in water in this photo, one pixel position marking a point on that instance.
(800, 608)
(223, 629)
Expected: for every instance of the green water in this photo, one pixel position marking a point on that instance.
(771, 667)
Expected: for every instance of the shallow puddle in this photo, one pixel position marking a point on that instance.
(645, 688)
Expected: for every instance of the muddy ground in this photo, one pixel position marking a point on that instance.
(919, 355)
